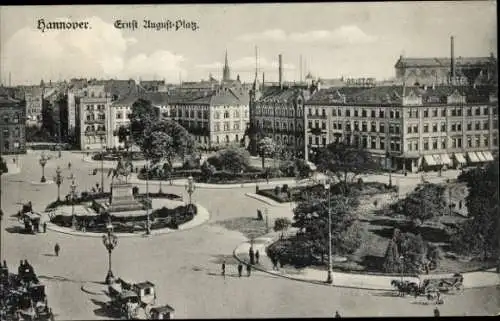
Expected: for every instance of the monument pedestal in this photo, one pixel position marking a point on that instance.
(122, 199)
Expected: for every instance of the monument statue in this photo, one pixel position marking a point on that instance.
(122, 171)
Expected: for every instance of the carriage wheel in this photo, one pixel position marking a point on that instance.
(459, 288)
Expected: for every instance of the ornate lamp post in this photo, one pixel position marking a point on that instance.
(102, 165)
(329, 278)
(73, 196)
(110, 241)
(43, 161)
(190, 188)
(59, 180)
(387, 158)
(148, 222)
(402, 260)
(161, 175)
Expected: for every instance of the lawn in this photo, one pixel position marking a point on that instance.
(249, 226)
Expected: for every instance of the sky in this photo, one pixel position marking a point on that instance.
(334, 39)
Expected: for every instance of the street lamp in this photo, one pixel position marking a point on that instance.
(148, 223)
(110, 241)
(43, 161)
(102, 164)
(401, 259)
(267, 220)
(387, 158)
(59, 180)
(329, 277)
(73, 196)
(190, 188)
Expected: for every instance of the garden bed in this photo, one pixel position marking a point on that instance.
(116, 155)
(249, 226)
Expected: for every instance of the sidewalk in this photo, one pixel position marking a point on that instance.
(347, 280)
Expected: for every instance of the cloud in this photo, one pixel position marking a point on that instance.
(247, 63)
(98, 52)
(344, 35)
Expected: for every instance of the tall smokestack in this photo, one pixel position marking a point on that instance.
(452, 60)
(300, 69)
(280, 69)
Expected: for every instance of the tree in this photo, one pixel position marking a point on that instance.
(144, 114)
(311, 218)
(123, 136)
(345, 163)
(480, 234)
(424, 203)
(413, 250)
(266, 147)
(282, 224)
(391, 258)
(234, 159)
(207, 170)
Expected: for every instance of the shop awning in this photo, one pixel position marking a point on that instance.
(437, 159)
(446, 159)
(489, 157)
(429, 160)
(473, 157)
(481, 156)
(460, 158)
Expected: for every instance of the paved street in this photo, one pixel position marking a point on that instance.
(185, 265)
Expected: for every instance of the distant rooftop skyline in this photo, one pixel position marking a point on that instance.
(334, 39)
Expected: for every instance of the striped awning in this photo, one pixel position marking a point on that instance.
(460, 158)
(473, 157)
(437, 159)
(481, 156)
(488, 156)
(446, 159)
(429, 160)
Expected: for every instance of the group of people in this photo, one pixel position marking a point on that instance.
(26, 272)
(240, 269)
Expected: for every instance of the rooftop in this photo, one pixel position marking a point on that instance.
(442, 62)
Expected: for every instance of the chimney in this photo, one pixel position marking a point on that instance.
(280, 70)
(263, 80)
(452, 60)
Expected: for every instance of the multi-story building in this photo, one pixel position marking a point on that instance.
(34, 104)
(94, 128)
(215, 117)
(12, 126)
(451, 70)
(408, 128)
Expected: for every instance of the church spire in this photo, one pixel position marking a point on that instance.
(225, 72)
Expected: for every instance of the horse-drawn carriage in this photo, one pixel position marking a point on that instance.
(137, 301)
(431, 286)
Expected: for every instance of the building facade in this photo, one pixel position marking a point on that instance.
(94, 126)
(216, 118)
(34, 104)
(408, 128)
(12, 126)
(278, 112)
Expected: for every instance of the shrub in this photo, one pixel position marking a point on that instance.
(135, 190)
(284, 188)
(277, 190)
(191, 162)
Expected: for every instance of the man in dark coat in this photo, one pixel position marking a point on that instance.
(257, 255)
(57, 248)
(251, 255)
(240, 269)
(436, 312)
(249, 269)
(224, 268)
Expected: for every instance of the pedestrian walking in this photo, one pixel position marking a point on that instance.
(57, 248)
(224, 268)
(44, 227)
(257, 255)
(436, 312)
(69, 165)
(251, 254)
(240, 269)
(337, 314)
(5, 264)
(249, 270)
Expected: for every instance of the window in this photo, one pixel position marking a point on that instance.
(217, 115)
(348, 126)
(396, 129)
(381, 114)
(381, 128)
(495, 141)
(355, 113)
(434, 144)
(309, 112)
(309, 124)
(382, 144)
(434, 112)
(434, 128)
(356, 126)
(6, 133)
(324, 141)
(426, 145)
(495, 124)
(334, 112)
(118, 115)
(310, 140)
(17, 132)
(478, 125)
(469, 111)
(443, 127)
(453, 112)
(443, 112)
(415, 146)
(391, 114)
(200, 115)
(373, 113)
(316, 124)
(486, 125)
(443, 144)
(316, 140)
(469, 126)
(485, 110)
(373, 142)
(426, 128)
(459, 142)
(226, 114)
(416, 113)
(486, 141)
(364, 127)
(459, 127)
(469, 141)
(340, 112)
(478, 141)
(397, 113)
(364, 141)
(409, 129)
(478, 111)
(323, 112)
(374, 127)
(236, 126)
(323, 125)
(363, 113)
(334, 125)
(415, 129)
(459, 112)
(453, 127)
(348, 113)
(408, 146)
(426, 113)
